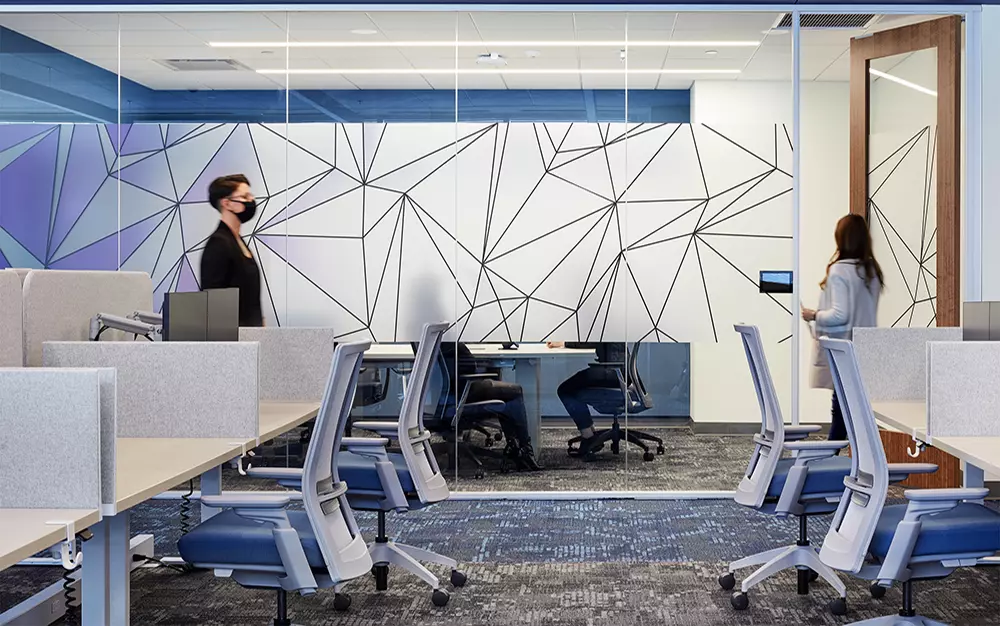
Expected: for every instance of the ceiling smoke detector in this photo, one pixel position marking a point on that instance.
(492, 59)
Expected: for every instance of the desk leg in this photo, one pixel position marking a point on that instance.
(211, 485)
(528, 374)
(106, 573)
(972, 476)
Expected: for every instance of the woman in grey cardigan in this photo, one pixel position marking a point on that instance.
(849, 300)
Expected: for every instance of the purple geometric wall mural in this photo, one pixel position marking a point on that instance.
(521, 231)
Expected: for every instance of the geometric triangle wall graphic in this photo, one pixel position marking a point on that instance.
(518, 231)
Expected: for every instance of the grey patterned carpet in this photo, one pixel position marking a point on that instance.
(530, 562)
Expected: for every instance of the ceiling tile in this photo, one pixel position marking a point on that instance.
(77, 38)
(235, 21)
(335, 22)
(725, 20)
(526, 21)
(601, 21)
(660, 21)
(164, 38)
(27, 22)
(415, 21)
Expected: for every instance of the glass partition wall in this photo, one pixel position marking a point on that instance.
(564, 187)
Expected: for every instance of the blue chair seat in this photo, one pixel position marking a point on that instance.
(228, 538)
(824, 476)
(359, 472)
(968, 528)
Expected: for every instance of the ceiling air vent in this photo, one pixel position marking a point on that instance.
(203, 65)
(831, 21)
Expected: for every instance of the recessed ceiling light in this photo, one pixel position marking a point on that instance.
(711, 53)
(364, 31)
(499, 70)
(484, 44)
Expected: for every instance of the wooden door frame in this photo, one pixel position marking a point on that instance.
(945, 35)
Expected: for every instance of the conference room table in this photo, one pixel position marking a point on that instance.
(524, 361)
(146, 467)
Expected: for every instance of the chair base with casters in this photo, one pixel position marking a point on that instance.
(615, 435)
(456, 450)
(906, 617)
(802, 556)
(386, 552)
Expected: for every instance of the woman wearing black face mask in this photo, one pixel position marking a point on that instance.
(227, 261)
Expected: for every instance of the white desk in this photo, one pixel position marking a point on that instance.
(525, 361)
(978, 454)
(24, 532)
(907, 417)
(145, 468)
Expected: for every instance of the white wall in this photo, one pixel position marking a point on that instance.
(721, 390)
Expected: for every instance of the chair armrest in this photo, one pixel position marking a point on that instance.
(246, 501)
(374, 442)
(816, 445)
(483, 376)
(800, 432)
(942, 495)
(290, 477)
(912, 468)
(385, 429)
(371, 447)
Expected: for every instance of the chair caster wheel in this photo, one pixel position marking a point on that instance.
(839, 606)
(480, 474)
(813, 576)
(727, 581)
(497, 436)
(877, 591)
(661, 450)
(740, 601)
(440, 597)
(458, 578)
(488, 442)
(648, 456)
(341, 602)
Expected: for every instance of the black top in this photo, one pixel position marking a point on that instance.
(223, 265)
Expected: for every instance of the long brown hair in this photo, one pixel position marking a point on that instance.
(854, 242)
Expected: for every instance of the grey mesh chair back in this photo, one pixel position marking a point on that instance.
(323, 494)
(854, 523)
(635, 381)
(414, 438)
(769, 443)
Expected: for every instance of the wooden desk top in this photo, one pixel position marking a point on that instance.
(146, 467)
(24, 532)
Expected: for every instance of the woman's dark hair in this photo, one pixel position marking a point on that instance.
(223, 187)
(854, 243)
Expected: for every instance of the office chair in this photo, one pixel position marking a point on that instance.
(938, 531)
(261, 544)
(455, 419)
(629, 398)
(807, 483)
(384, 481)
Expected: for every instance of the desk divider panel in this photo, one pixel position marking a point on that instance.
(58, 305)
(50, 451)
(963, 389)
(893, 360)
(22, 272)
(11, 330)
(294, 362)
(175, 389)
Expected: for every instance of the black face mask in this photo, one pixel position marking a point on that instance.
(249, 210)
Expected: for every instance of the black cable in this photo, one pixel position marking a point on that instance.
(70, 601)
(186, 509)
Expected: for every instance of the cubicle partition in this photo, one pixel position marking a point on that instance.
(294, 362)
(11, 329)
(175, 390)
(51, 450)
(963, 389)
(58, 305)
(894, 366)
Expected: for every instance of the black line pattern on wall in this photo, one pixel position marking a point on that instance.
(903, 183)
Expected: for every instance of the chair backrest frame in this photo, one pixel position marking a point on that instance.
(324, 495)
(866, 488)
(414, 438)
(769, 444)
